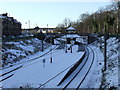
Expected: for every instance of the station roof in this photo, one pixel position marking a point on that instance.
(70, 28)
(71, 36)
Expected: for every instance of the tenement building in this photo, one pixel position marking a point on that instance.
(9, 26)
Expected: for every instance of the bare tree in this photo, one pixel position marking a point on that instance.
(67, 22)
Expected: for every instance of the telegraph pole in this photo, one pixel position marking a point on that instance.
(105, 47)
(118, 39)
(105, 57)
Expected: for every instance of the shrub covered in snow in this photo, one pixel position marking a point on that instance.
(15, 51)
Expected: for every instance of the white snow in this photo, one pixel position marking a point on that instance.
(71, 36)
(96, 78)
(37, 72)
(93, 79)
(14, 51)
(2, 16)
(81, 74)
(61, 39)
(112, 63)
(56, 41)
(70, 28)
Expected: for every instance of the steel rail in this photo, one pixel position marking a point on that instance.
(65, 87)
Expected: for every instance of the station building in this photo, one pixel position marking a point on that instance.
(71, 35)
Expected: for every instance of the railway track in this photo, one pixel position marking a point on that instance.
(42, 85)
(6, 77)
(88, 69)
(9, 73)
(69, 81)
(79, 74)
(30, 59)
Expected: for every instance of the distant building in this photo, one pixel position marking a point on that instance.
(38, 30)
(71, 35)
(9, 26)
(71, 30)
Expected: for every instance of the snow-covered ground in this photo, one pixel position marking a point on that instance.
(12, 52)
(41, 70)
(99, 77)
(112, 63)
(94, 78)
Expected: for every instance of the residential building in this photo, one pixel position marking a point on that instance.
(9, 26)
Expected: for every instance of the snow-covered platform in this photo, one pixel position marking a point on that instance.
(41, 71)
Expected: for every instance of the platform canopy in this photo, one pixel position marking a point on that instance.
(71, 36)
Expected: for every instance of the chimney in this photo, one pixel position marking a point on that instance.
(5, 14)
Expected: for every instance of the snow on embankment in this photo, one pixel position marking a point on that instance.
(112, 63)
(110, 76)
(15, 51)
(100, 78)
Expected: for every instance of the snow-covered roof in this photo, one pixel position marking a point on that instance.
(9, 18)
(71, 36)
(70, 28)
(2, 16)
(16, 21)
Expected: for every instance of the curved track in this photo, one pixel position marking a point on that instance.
(88, 69)
(72, 80)
(79, 74)
(73, 77)
(42, 85)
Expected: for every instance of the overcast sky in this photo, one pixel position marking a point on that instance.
(51, 13)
